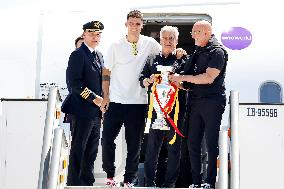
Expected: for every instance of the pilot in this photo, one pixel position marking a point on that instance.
(78, 42)
(83, 104)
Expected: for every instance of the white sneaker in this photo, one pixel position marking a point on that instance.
(111, 182)
(194, 186)
(207, 186)
(128, 185)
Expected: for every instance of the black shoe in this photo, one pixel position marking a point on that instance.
(168, 186)
(150, 185)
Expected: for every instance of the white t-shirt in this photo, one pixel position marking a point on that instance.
(126, 67)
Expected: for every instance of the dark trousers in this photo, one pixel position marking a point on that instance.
(205, 117)
(84, 149)
(184, 178)
(155, 141)
(133, 118)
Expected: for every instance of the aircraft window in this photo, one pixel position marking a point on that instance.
(270, 92)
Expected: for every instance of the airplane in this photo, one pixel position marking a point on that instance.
(39, 38)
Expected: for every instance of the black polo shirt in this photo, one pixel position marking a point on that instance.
(213, 55)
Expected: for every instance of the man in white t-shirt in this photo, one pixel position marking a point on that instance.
(125, 101)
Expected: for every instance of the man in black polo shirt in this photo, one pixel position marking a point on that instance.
(207, 101)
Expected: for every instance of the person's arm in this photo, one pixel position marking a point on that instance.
(205, 78)
(178, 67)
(105, 87)
(75, 69)
(146, 78)
(106, 73)
(215, 65)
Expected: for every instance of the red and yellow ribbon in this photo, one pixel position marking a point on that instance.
(167, 109)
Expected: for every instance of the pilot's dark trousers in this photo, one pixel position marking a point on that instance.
(133, 118)
(84, 149)
(155, 141)
(204, 118)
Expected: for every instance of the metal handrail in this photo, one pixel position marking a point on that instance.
(235, 157)
(50, 120)
(59, 142)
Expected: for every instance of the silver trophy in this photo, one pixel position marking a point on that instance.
(162, 89)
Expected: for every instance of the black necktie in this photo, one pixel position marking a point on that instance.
(96, 59)
(94, 53)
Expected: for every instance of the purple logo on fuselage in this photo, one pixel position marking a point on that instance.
(236, 38)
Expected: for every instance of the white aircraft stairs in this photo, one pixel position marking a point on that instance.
(54, 158)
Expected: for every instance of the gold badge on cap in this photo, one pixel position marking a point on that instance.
(97, 24)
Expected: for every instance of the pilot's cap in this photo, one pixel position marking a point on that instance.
(93, 26)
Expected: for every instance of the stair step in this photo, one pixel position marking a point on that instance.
(104, 187)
